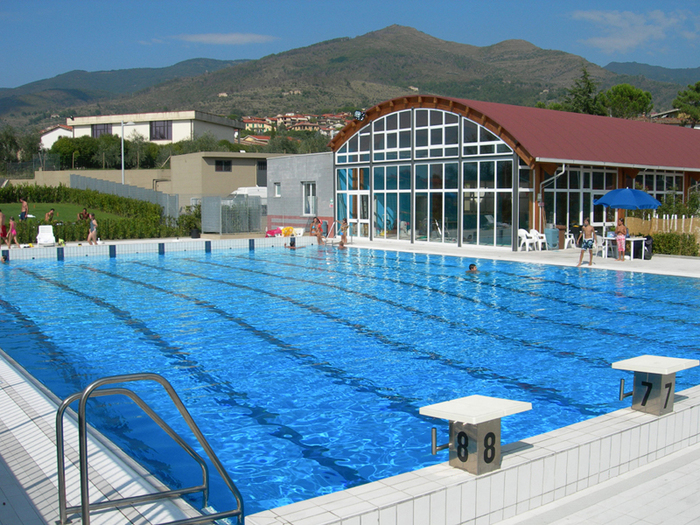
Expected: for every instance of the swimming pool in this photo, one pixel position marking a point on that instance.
(306, 369)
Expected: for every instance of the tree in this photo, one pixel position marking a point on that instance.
(626, 101)
(688, 103)
(28, 145)
(8, 144)
(108, 154)
(582, 96)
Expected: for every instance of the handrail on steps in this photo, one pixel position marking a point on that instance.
(85, 507)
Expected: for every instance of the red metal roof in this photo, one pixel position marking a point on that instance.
(560, 136)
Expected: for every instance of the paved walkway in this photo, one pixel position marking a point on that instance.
(665, 491)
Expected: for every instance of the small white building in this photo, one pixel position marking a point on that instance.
(52, 134)
(162, 128)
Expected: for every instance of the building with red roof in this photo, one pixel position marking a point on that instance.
(438, 169)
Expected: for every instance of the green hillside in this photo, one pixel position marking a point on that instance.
(328, 76)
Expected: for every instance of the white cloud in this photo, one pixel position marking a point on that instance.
(624, 31)
(226, 39)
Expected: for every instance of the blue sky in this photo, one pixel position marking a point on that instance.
(41, 39)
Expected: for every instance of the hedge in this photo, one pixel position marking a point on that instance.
(675, 244)
(141, 219)
(87, 198)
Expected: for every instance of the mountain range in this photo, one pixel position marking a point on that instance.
(344, 73)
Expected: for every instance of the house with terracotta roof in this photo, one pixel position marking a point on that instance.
(436, 169)
(50, 135)
(256, 140)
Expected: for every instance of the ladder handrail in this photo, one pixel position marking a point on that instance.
(89, 391)
(63, 509)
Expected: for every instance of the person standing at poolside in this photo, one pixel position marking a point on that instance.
(589, 236)
(12, 234)
(25, 210)
(317, 230)
(344, 231)
(621, 237)
(92, 236)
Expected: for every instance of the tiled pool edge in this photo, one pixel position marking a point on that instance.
(155, 247)
(535, 471)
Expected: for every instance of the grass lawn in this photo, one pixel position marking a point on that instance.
(62, 211)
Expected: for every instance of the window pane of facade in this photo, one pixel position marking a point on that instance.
(436, 174)
(486, 175)
(422, 177)
(451, 216)
(379, 214)
(469, 170)
(405, 177)
(98, 130)
(504, 218)
(161, 130)
(392, 214)
(421, 216)
(392, 182)
(437, 226)
(451, 176)
(378, 178)
(222, 165)
(342, 179)
(404, 215)
(470, 221)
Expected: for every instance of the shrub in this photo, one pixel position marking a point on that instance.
(675, 244)
(141, 219)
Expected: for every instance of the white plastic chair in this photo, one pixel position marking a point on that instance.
(539, 239)
(525, 239)
(599, 248)
(45, 235)
(569, 240)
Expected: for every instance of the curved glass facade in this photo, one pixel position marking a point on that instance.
(429, 175)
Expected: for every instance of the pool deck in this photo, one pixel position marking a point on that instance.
(624, 467)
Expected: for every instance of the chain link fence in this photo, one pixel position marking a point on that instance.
(25, 170)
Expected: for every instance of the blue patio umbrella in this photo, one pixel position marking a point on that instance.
(628, 199)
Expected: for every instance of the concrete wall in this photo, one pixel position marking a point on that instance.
(290, 172)
(195, 175)
(220, 132)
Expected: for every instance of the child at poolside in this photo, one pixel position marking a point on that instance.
(92, 236)
(12, 234)
(344, 231)
(589, 236)
(621, 238)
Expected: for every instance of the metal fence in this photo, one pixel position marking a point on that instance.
(25, 170)
(47, 162)
(241, 214)
(19, 170)
(170, 203)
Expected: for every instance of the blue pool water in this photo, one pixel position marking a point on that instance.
(306, 369)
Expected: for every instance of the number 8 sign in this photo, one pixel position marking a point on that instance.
(476, 448)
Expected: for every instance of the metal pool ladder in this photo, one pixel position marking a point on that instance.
(86, 507)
